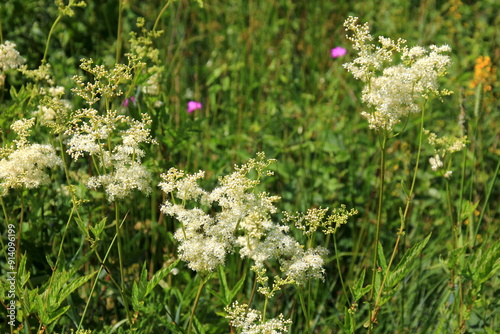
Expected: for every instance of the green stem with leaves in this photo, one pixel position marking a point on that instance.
(404, 217)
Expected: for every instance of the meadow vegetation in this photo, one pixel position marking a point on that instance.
(249, 166)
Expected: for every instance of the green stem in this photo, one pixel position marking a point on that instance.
(379, 213)
(160, 15)
(120, 259)
(120, 31)
(204, 280)
(6, 225)
(338, 266)
(102, 261)
(305, 310)
(405, 213)
(47, 44)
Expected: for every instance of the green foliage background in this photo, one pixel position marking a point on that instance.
(263, 71)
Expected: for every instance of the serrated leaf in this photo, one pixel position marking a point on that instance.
(358, 290)
(404, 266)
(22, 275)
(53, 316)
(73, 285)
(83, 228)
(158, 276)
(381, 257)
(98, 228)
(136, 302)
(467, 209)
(489, 264)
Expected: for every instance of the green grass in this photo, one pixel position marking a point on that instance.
(263, 72)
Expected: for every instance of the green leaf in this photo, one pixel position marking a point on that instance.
(158, 276)
(53, 316)
(467, 209)
(404, 266)
(98, 228)
(22, 275)
(489, 264)
(358, 290)
(226, 292)
(381, 257)
(73, 285)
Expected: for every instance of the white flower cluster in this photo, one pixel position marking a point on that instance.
(25, 166)
(250, 321)
(119, 165)
(9, 57)
(443, 148)
(242, 221)
(394, 90)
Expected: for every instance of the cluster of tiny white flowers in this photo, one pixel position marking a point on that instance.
(306, 266)
(397, 91)
(120, 169)
(106, 82)
(9, 57)
(242, 220)
(443, 147)
(25, 166)
(250, 320)
(53, 111)
(435, 162)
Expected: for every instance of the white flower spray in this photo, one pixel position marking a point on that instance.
(26, 164)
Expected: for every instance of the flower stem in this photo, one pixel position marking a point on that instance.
(44, 59)
(204, 280)
(120, 258)
(119, 32)
(160, 15)
(383, 143)
(405, 213)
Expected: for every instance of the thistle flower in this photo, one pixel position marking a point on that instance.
(397, 91)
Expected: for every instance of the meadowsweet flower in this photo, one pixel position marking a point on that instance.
(338, 51)
(394, 90)
(250, 321)
(306, 265)
(444, 147)
(9, 57)
(193, 105)
(240, 218)
(435, 162)
(120, 166)
(25, 166)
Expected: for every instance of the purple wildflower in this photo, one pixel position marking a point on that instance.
(193, 105)
(338, 51)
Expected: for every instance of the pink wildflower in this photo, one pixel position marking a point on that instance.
(126, 101)
(338, 51)
(193, 105)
